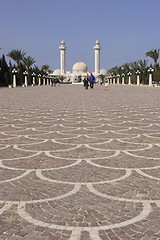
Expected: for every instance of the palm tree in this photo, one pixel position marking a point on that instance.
(101, 76)
(36, 69)
(134, 66)
(142, 65)
(28, 62)
(126, 67)
(45, 68)
(115, 70)
(154, 54)
(143, 69)
(16, 55)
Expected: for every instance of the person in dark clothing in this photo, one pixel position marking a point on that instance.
(86, 83)
(55, 82)
(91, 80)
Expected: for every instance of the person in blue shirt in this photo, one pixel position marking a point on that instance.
(91, 80)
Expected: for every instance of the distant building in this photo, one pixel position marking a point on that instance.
(79, 69)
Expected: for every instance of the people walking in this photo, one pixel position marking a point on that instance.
(106, 85)
(86, 83)
(91, 80)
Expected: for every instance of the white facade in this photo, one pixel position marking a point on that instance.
(79, 69)
(97, 57)
(62, 57)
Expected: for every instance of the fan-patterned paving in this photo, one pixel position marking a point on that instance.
(80, 164)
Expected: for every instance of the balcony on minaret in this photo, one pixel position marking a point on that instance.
(62, 46)
(97, 45)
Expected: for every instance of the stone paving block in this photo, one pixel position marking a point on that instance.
(80, 164)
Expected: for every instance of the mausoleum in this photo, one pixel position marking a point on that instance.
(79, 69)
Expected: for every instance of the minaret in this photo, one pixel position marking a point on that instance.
(62, 49)
(97, 56)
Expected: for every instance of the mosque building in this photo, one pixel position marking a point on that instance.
(79, 69)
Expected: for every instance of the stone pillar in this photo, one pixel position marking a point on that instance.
(33, 81)
(62, 49)
(129, 78)
(123, 75)
(25, 79)
(118, 76)
(150, 70)
(39, 79)
(138, 81)
(97, 57)
(114, 79)
(14, 80)
(150, 79)
(44, 80)
(14, 72)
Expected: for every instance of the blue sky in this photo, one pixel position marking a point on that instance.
(126, 29)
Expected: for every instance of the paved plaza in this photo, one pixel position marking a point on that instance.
(80, 164)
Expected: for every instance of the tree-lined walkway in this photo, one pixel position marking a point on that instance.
(79, 164)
